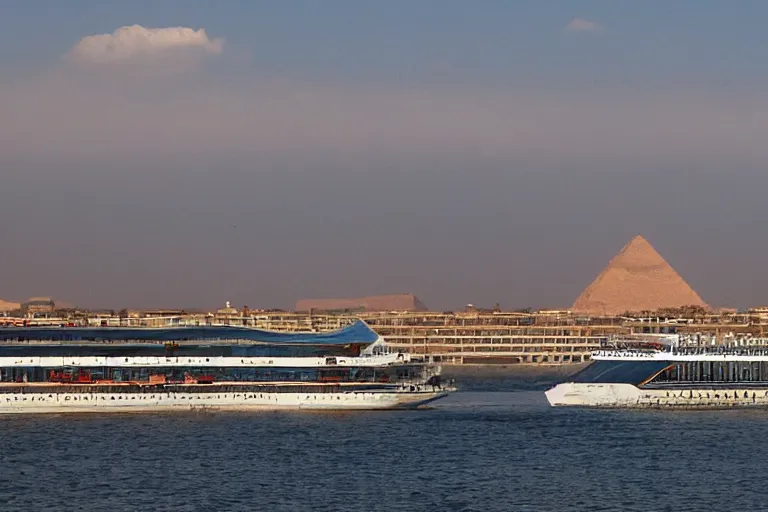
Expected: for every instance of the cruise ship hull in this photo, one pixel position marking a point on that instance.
(71, 402)
(617, 395)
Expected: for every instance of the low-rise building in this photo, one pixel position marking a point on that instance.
(38, 306)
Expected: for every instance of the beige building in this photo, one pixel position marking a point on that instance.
(38, 306)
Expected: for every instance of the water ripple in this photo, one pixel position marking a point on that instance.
(475, 451)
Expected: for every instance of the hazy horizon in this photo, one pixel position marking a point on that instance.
(261, 154)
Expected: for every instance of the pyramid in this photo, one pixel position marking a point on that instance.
(636, 279)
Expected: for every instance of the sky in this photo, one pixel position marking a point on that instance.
(188, 153)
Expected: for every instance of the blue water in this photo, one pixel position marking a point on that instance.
(478, 450)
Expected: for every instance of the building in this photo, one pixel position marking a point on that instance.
(38, 306)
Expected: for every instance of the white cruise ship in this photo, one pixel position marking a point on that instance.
(663, 372)
(127, 369)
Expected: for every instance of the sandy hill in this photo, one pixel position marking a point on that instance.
(8, 306)
(397, 302)
(636, 279)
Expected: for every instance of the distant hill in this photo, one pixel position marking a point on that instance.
(11, 306)
(8, 306)
(395, 302)
(60, 304)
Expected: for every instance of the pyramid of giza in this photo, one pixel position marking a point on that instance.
(636, 279)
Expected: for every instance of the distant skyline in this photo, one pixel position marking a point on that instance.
(188, 153)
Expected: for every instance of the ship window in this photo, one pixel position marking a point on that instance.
(631, 372)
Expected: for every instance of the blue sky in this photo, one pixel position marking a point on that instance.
(466, 152)
(495, 41)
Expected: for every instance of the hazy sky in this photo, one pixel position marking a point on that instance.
(261, 152)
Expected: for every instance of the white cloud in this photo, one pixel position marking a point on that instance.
(582, 25)
(133, 42)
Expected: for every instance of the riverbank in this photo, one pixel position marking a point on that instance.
(509, 377)
(513, 370)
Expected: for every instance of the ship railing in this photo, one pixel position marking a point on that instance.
(722, 350)
(683, 351)
(628, 353)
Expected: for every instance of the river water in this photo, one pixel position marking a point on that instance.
(493, 446)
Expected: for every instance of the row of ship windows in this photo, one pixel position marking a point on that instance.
(167, 396)
(37, 374)
(715, 371)
(533, 349)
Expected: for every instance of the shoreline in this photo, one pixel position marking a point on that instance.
(524, 371)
